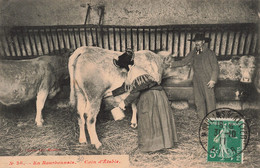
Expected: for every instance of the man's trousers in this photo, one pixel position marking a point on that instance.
(204, 97)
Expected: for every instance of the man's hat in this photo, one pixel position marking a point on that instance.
(199, 36)
(125, 59)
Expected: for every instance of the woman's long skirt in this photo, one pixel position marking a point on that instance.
(156, 125)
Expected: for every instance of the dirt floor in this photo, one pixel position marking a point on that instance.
(19, 136)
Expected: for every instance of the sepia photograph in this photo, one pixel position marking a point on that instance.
(129, 83)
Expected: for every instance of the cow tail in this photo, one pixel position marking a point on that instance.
(72, 67)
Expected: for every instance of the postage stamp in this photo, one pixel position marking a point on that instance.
(224, 134)
(225, 140)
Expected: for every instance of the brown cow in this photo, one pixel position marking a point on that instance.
(23, 80)
(93, 74)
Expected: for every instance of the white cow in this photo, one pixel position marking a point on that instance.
(23, 80)
(93, 75)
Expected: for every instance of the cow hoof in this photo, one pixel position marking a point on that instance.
(134, 125)
(82, 140)
(39, 123)
(98, 145)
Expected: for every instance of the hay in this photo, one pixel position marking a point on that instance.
(20, 136)
(236, 105)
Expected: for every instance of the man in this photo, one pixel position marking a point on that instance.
(206, 71)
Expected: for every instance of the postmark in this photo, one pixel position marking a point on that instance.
(224, 134)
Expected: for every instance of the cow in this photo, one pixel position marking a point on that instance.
(26, 79)
(93, 75)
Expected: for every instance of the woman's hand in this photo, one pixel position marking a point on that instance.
(122, 105)
(108, 94)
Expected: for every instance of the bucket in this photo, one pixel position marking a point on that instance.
(117, 113)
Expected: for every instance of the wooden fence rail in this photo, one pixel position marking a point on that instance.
(29, 41)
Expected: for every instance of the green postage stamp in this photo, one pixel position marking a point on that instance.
(225, 140)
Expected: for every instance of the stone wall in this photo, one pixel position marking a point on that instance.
(127, 12)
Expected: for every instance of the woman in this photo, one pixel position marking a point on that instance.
(156, 125)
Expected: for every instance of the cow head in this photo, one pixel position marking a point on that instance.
(167, 59)
(247, 68)
(62, 59)
(178, 74)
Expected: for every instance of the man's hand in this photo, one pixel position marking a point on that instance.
(211, 84)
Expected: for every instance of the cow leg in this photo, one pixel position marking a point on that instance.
(134, 119)
(92, 110)
(81, 102)
(40, 101)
